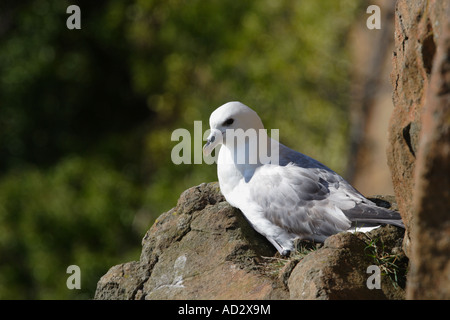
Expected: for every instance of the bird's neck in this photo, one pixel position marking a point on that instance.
(232, 174)
(239, 158)
(236, 162)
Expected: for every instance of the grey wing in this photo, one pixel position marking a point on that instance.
(315, 203)
(363, 211)
(294, 199)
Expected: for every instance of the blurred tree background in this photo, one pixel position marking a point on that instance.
(86, 116)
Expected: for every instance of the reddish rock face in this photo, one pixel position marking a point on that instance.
(414, 51)
(419, 141)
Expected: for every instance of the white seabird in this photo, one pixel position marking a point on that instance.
(287, 198)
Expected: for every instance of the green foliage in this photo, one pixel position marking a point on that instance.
(86, 116)
(281, 58)
(79, 212)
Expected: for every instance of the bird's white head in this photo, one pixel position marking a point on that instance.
(230, 116)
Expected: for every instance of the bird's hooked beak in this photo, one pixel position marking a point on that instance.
(214, 139)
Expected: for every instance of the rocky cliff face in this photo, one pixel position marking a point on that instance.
(419, 141)
(205, 249)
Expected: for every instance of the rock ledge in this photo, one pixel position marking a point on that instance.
(205, 249)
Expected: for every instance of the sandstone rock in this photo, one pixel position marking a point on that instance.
(430, 276)
(339, 271)
(418, 25)
(205, 249)
(419, 152)
(201, 249)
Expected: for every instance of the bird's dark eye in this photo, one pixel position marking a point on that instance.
(228, 122)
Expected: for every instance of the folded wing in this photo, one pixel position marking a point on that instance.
(313, 202)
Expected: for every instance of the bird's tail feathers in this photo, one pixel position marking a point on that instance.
(376, 222)
(368, 215)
